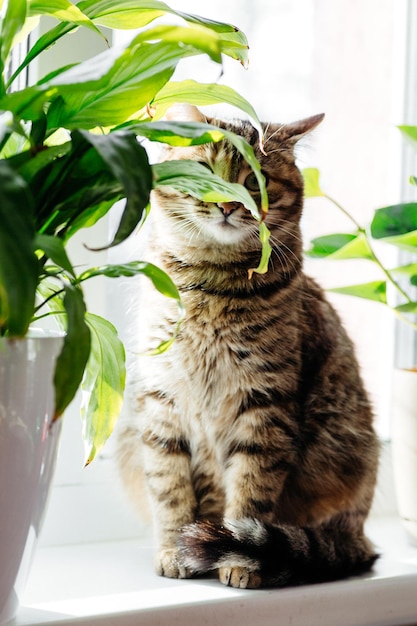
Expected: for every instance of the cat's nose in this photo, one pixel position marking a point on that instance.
(228, 207)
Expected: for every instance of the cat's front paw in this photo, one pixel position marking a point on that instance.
(167, 563)
(239, 577)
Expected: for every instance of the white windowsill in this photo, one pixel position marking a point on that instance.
(113, 583)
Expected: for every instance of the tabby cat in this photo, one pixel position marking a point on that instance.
(254, 431)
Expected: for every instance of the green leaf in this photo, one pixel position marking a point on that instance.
(6, 127)
(409, 270)
(54, 183)
(264, 236)
(11, 23)
(198, 37)
(311, 176)
(28, 103)
(394, 220)
(195, 179)
(227, 30)
(111, 87)
(409, 133)
(62, 10)
(397, 225)
(201, 94)
(29, 164)
(407, 241)
(38, 132)
(54, 249)
(248, 153)
(182, 134)
(124, 14)
(31, 23)
(376, 291)
(118, 14)
(18, 264)
(139, 13)
(88, 217)
(73, 358)
(326, 245)
(41, 44)
(408, 307)
(161, 281)
(341, 246)
(134, 14)
(114, 85)
(52, 293)
(103, 385)
(128, 162)
(195, 133)
(76, 189)
(103, 91)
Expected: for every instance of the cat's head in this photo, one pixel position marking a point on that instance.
(229, 225)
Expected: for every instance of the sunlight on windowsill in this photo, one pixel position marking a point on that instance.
(113, 583)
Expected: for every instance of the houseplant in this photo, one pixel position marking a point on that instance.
(79, 125)
(68, 152)
(395, 289)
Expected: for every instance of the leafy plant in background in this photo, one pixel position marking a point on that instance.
(392, 225)
(69, 151)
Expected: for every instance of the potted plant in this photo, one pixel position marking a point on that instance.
(69, 150)
(395, 289)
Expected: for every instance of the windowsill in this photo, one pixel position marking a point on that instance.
(113, 583)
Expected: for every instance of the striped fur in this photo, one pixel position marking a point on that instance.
(249, 553)
(257, 414)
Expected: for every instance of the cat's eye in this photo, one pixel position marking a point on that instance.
(251, 182)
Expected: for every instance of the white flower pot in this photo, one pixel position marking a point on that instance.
(28, 450)
(404, 447)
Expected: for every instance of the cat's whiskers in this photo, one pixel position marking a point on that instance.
(288, 252)
(280, 150)
(281, 224)
(190, 230)
(187, 223)
(284, 260)
(266, 130)
(253, 237)
(272, 135)
(283, 253)
(182, 224)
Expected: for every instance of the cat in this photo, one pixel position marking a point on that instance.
(254, 431)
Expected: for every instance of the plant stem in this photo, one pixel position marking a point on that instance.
(387, 272)
(42, 304)
(374, 258)
(5, 139)
(345, 212)
(404, 319)
(39, 317)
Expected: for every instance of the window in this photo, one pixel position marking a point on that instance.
(405, 337)
(345, 58)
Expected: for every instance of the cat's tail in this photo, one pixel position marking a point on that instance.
(276, 555)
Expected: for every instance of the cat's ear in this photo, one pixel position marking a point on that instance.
(183, 112)
(294, 131)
